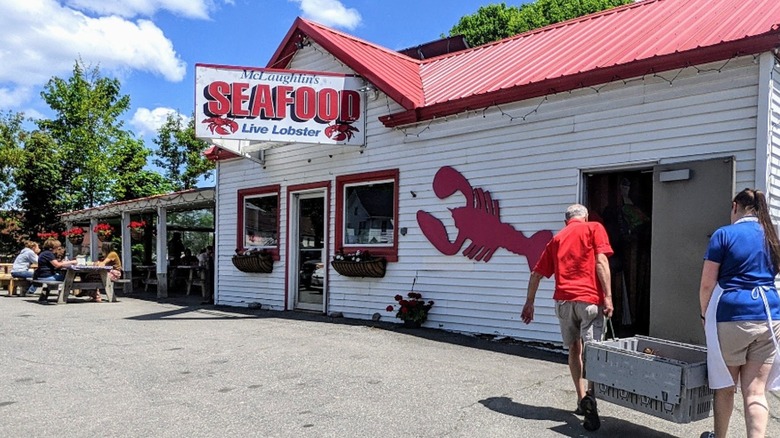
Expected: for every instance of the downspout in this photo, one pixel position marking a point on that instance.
(215, 274)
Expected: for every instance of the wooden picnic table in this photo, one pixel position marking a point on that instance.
(70, 284)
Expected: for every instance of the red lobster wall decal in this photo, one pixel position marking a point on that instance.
(479, 221)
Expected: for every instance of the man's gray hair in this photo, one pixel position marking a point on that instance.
(576, 210)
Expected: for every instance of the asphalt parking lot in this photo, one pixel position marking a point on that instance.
(142, 368)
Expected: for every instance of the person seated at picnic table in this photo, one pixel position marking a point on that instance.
(188, 259)
(109, 258)
(26, 258)
(175, 249)
(49, 266)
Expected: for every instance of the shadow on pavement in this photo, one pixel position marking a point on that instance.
(193, 309)
(571, 425)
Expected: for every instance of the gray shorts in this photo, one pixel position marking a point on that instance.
(579, 320)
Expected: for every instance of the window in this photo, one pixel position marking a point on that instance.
(258, 219)
(367, 213)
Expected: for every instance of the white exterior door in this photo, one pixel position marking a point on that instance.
(306, 272)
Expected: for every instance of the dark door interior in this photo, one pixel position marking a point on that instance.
(623, 202)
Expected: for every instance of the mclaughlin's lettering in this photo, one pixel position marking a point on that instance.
(284, 78)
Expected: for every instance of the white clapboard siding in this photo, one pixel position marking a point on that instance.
(532, 167)
(773, 183)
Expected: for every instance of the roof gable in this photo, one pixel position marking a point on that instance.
(628, 41)
(395, 74)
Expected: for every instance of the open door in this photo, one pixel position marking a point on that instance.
(690, 201)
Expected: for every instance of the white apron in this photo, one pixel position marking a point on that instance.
(717, 372)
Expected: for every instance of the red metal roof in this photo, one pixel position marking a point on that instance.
(628, 41)
(395, 74)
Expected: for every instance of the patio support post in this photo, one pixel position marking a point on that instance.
(68, 245)
(94, 250)
(162, 252)
(127, 254)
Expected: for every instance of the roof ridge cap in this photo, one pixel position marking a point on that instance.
(599, 14)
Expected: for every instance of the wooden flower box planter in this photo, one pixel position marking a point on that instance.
(254, 263)
(374, 268)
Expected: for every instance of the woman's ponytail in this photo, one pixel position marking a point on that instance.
(770, 234)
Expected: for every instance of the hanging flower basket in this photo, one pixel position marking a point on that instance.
(254, 262)
(137, 229)
(359, 264)
(103, 231)
(75, 235)
(45, 235)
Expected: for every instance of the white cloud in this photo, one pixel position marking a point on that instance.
(330, 13)
(146, 122)
(43, 38)
(130, 8)
(13, 97)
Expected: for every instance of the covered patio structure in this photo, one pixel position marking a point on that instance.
(156, 208)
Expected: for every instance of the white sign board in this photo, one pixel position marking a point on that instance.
(285, 106)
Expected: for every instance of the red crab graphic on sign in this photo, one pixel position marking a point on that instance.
(341, 130)
(221, 126)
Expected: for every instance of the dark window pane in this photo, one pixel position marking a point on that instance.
(260, 221)
(368, 218)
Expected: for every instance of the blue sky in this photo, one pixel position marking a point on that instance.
(152, 46)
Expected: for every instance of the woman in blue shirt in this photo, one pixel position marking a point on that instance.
(49, 266)
(740, 308)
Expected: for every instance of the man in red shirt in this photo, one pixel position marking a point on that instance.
(577, 255)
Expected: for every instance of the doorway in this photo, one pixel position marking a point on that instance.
(659, 221)
(308, 255)
(622, 201)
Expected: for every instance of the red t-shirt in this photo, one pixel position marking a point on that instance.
(571, 256)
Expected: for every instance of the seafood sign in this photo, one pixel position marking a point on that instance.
(478, 221)
(265, 105)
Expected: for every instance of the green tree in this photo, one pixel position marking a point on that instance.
(12, 137)
(134, 181)
(89, 135)
(181, 153)
(83, 156)
(37, 180)
(496, 21)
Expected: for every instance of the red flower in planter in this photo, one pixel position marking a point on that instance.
(75, 231)
(413, 309)
(137, 225)
(48, 235)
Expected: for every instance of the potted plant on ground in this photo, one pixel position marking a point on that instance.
(137, 229)
(75, 235)
(359, 264)
(103, 231)
(412, 310)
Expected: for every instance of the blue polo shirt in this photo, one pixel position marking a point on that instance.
(745, 263)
